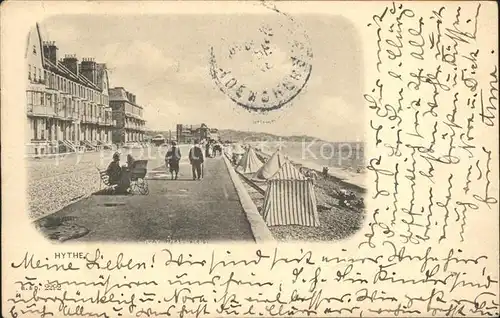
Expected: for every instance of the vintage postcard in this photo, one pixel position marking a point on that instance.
(253, 159)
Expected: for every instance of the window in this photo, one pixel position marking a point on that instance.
(35, 129)
(42, 99)
(29, 97)
(42, 131)
(29, 71)
(34, 49)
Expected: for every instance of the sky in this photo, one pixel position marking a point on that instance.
(165, 60)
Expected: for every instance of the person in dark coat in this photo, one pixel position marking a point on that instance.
(196, 159)
(114, 170)
(172, 159)
(118, 176)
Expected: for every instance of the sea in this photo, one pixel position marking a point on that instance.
(345, 155)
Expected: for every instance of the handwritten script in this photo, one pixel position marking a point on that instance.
(302, 283)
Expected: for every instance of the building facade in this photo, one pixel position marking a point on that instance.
(128, 116)
(67, 101)
(190, 133)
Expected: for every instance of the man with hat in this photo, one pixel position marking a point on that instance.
(172, 159)
(196, 159)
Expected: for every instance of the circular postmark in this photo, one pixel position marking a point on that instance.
(267, 68)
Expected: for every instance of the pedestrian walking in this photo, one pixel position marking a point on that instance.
(207, 150)
(172, 159)
(196, 159)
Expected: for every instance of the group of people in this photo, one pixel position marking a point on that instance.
(120, 175)
(212, 148)
(196, 159)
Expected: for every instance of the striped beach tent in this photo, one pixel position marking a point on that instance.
(271, 166)
(290, 199)
(250, 163)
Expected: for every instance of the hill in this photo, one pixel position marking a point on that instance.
(238, 135)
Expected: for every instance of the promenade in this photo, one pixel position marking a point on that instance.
(180, 210)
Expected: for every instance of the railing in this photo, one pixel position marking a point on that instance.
(37, 81)
(41, 147)
(61, 113)
(89, 119)
(38, 110)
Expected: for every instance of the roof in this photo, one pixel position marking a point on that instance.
(250, 163)
(60, 69)
(64, 71)
(117, 94)
(273, 165)
(192, 127)
(288, 172)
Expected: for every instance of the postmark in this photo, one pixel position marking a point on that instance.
(264, 69)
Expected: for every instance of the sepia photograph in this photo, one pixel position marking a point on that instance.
(249, 159)
(176, 128)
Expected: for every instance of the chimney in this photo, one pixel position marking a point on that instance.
(71, 62)
(101, 72)
(88, 68)
(133, 98)
(50, 51)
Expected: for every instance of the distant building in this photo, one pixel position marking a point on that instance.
(213, 134)
(158, 140)
(67, 104)
(189, 133)
(130, 125)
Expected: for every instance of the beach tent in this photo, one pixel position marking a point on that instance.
(290, 199)
(237, 153)
(271, 166)
(250, 163)
(238, 150)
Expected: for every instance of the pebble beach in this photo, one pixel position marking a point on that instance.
(336, 222)
(53, 183)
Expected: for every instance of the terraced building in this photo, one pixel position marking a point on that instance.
(67, 102)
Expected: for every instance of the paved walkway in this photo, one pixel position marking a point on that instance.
(180, 210)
